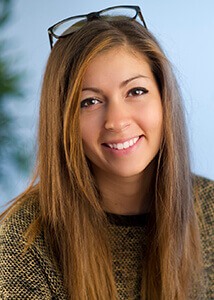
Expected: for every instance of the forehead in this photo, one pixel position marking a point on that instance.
(123, 51)
(117, 64)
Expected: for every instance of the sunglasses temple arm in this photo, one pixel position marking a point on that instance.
(50, 39)
(142, 19)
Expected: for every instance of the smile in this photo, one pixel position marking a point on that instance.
(124, 145)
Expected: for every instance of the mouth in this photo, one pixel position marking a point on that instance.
(125, 145)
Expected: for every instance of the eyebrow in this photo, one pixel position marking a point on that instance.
(123, 83)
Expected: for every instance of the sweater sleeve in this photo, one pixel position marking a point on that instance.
(21, 275)
(31, 274)
(204, 193)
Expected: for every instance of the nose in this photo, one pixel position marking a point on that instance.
(117, 117)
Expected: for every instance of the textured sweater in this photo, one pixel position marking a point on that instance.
(35, 275)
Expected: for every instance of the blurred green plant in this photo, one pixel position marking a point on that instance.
(13, 153)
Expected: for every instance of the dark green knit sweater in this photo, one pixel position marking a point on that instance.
(36, 276)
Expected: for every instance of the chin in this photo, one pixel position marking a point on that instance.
(125, 173)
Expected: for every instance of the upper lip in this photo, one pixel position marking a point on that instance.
(118, 141)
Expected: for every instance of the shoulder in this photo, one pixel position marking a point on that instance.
(16, 222)
(204, 199)
(19, 217)
(203, 186)
(26, 273)
(204, 203)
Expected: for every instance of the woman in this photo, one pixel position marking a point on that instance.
(113, 214)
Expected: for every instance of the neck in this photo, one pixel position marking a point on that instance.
(127, 196)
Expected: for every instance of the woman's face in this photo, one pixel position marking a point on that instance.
(121, 113)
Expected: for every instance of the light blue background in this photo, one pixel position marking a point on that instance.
(185, 29)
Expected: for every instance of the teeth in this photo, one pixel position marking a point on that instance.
(124, 145)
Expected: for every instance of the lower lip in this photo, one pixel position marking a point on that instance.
(126, 151)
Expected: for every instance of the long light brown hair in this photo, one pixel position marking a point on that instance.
(69, 200)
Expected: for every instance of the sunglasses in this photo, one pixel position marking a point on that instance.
(70, 25)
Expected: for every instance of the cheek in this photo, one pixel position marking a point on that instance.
(152, 119)
(91, 124)
(86, 134)
(156, 121)
(89, 131)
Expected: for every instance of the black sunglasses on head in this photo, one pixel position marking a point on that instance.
(70, 25)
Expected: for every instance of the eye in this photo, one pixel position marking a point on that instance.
(89, 102)
(138, 91)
